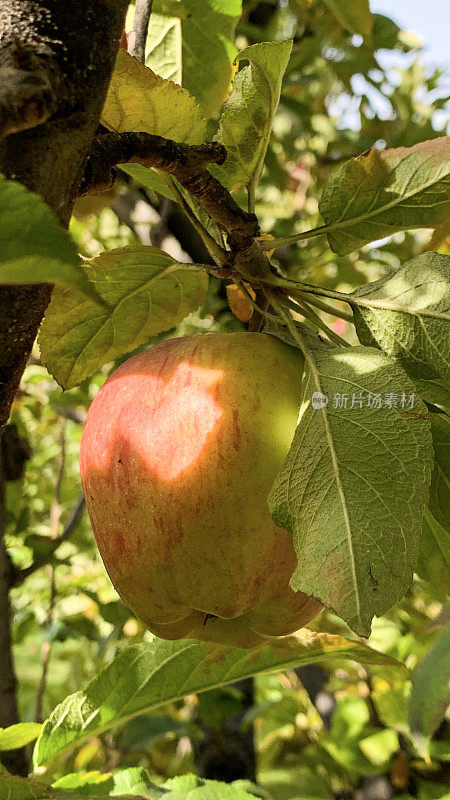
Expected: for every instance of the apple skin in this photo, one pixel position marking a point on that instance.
(178, 454)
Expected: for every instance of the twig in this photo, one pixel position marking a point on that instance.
(292, 287)
(72, 520)
(273, 244)
(138, 36)
(160, 230)
(214, 249)
(55, 516)
(326, 307)
(304, 309)
(69, 412)
(187, 164)
(256, 322)
(46, 649)
(21, 575)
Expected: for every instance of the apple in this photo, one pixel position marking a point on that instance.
(178, 453)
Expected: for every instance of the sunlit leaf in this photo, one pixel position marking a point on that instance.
(34, 248)
(163, 47)
(146, 292)
(131, 781)
(149, 675)
(209, 49)
(139, 100)
(19, 735)
(192, 43)
(355, 483)
(14, 788)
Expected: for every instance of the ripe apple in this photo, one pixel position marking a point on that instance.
(178, 453)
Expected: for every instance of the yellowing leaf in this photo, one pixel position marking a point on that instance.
(239, 303)
(139, 100)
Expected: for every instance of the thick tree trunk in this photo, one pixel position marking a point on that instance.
(56, 57)
(56, 60)
(229, 754)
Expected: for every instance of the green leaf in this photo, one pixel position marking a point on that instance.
(19, 735)
(390, 696)
(433, 562)
(149, 178)
(147, 292)
(146, 676)
(188, 787)
(294, 783)
(379, 747)
(354, 16)
(355, 483)
(170, 8)
(208, 50)
(440, 479)
(131, 781)
(379, 193)
(192, 43)
(139, 100)
(34, 248)
(180, 786)
(247, 115)
(421, 343)
(434, 392)
(430, 694)
(14, 788)
(215, 790)
(163, 46)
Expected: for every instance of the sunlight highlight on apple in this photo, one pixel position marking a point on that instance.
(181, 422)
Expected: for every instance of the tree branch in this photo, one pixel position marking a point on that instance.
(111, 149)
(138, 36)
(184, 162)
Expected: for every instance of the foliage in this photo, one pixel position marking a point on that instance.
(344, 162)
